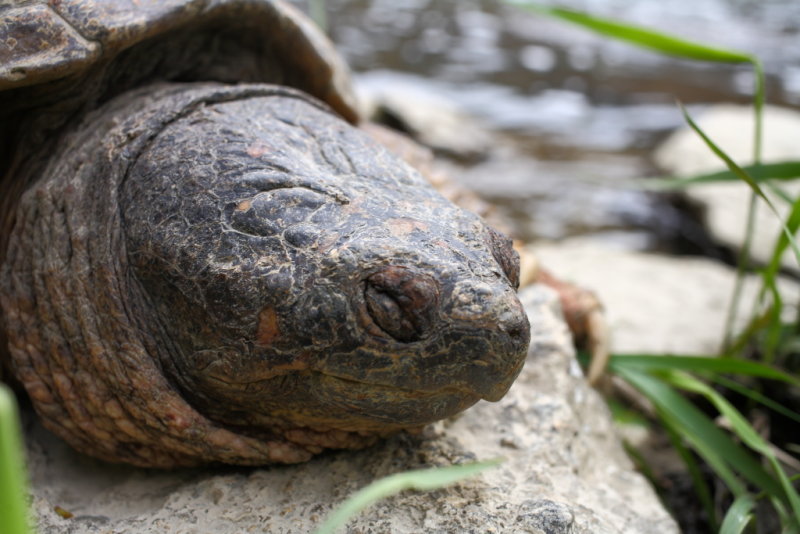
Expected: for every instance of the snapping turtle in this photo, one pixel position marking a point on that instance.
(203, 259)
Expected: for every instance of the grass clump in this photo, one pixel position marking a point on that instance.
(690, 395)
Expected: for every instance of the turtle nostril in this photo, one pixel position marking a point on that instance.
(517, 331)
(401, 302)
(519, 337)
(513, 322)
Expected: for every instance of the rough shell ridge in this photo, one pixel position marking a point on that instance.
(44, 41)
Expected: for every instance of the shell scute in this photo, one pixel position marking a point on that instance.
(37, 44)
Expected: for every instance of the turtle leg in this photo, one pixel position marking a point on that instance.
(585, 318)
(582, 309)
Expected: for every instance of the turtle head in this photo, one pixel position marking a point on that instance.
(303, 277)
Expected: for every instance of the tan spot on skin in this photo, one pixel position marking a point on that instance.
(66, 514)
(268, 329)
(113, 409)
(327, 243)
(257, 149)
(39, 392)
(356, 205)
(244, 205)
(131, 430)
(402, 227)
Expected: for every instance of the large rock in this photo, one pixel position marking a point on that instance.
(565, 471)
(657, 304)
(726, 204)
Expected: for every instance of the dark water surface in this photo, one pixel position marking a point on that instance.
(581, 113)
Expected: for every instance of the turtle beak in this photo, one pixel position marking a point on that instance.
(491, 377)
(493, 317)
(475, 333)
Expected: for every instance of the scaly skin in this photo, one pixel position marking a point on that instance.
(209, 273)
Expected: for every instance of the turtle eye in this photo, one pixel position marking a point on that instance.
(505, 255)
(401, 302)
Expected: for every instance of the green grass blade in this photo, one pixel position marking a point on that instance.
(758, 322)
(757, 397)
(774, 330)
(714, 445)
(792, 224)
(791, 492)
(779, 192)
(624, 415)
(738, 515)
(733, 167)
(748, 435)
(421, 479)
(740, 425)
(13, 492)
(700, 364)
(641, 37)
(717, 449)
(781, 171)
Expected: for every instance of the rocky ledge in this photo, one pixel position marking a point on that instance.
(564, 471)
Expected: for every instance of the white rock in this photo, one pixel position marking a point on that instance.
(565, 471)
(731, 128)
(424, 109)
(655, 304)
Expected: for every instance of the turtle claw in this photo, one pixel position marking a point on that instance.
(582, 311)
(597, 345)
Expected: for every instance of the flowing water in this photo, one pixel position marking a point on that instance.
(574, 117)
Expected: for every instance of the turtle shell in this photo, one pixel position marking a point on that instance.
(61, 58)
(51, 46)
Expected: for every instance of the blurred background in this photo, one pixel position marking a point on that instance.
(551, 122)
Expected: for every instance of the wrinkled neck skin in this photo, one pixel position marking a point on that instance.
(209, 273)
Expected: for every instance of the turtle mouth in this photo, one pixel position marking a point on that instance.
(410, 393)
(477, 388)
(386, 406)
